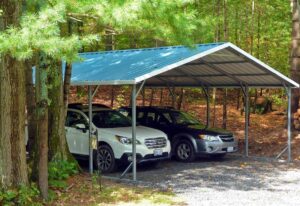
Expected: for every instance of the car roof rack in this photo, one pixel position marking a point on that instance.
(81, 106)
(154, 107)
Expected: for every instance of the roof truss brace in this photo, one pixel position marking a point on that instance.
(201, 82)
(95, 91)
(166, 81)
(216, 75)
(224, 62)
(254, 63)
(140, 88)
(225, 73)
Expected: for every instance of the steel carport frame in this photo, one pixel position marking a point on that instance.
(216, 65)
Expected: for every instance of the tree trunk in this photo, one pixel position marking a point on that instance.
(42, 124)
(173, 95)
(13, 168)
(112, 96)
(180, 99)
(143, 96)
(30, 106)
(224, 121)
(151, 97)
(295, 54)
(238, 99)
(17, 112)
(214, 106)
(5, 126)
(255, 101)
(67, 83)
(161, 96)
(58, 148)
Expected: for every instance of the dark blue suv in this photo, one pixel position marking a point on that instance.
(189, 138)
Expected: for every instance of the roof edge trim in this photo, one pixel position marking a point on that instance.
(116, 82)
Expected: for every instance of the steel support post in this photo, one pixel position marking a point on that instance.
(90, 97)
(206, 92)
(133, 106)
(289, 94)
(246, 121)
(246, 106)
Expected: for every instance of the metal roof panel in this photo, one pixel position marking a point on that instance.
(212, 64)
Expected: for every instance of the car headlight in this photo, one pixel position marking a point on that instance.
(126, 140)
(209, 138)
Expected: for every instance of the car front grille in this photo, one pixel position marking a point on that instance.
(153, 143)
(226, 138)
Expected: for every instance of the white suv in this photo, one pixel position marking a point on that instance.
(114, 138)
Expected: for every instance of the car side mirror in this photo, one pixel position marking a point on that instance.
(81, 127)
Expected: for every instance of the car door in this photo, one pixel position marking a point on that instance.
(77, 136)
(163, 123)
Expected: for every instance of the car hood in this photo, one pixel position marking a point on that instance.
(200, 129)
(142, 132)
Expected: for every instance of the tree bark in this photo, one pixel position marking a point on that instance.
(161, 96)
(5, 126)
(112, 96)
(58, 148)
(224, 120)
(17, 112)
(238, 99)
(151, 97)
(180, 99)
(42, 124)
(30, 106)
(67, 83)
(13, 168)
(214, 106)
(295, 54)
(143, 96)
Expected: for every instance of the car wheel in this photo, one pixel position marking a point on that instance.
(184, 151)
(105, 159)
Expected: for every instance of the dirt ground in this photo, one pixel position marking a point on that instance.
(233, 180)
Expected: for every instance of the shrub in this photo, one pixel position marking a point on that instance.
(59, 171)
(24, 195)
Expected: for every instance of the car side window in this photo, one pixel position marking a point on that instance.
(150, 119)
(162, 120)
(167, 116)
(74, 118)
(140, 117)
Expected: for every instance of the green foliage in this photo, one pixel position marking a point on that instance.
(278, 100)
(24, 195)
(41, 32)
(59, 171)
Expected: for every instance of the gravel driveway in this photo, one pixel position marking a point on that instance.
(233, 180)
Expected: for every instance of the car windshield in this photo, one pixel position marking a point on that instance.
(110, 119)
(183, 118)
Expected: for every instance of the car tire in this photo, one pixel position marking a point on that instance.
(104, 159)
(184, 151)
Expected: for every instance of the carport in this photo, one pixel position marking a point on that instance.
(216, 65)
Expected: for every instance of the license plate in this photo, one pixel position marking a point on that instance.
(230, 149)
(157, 152)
